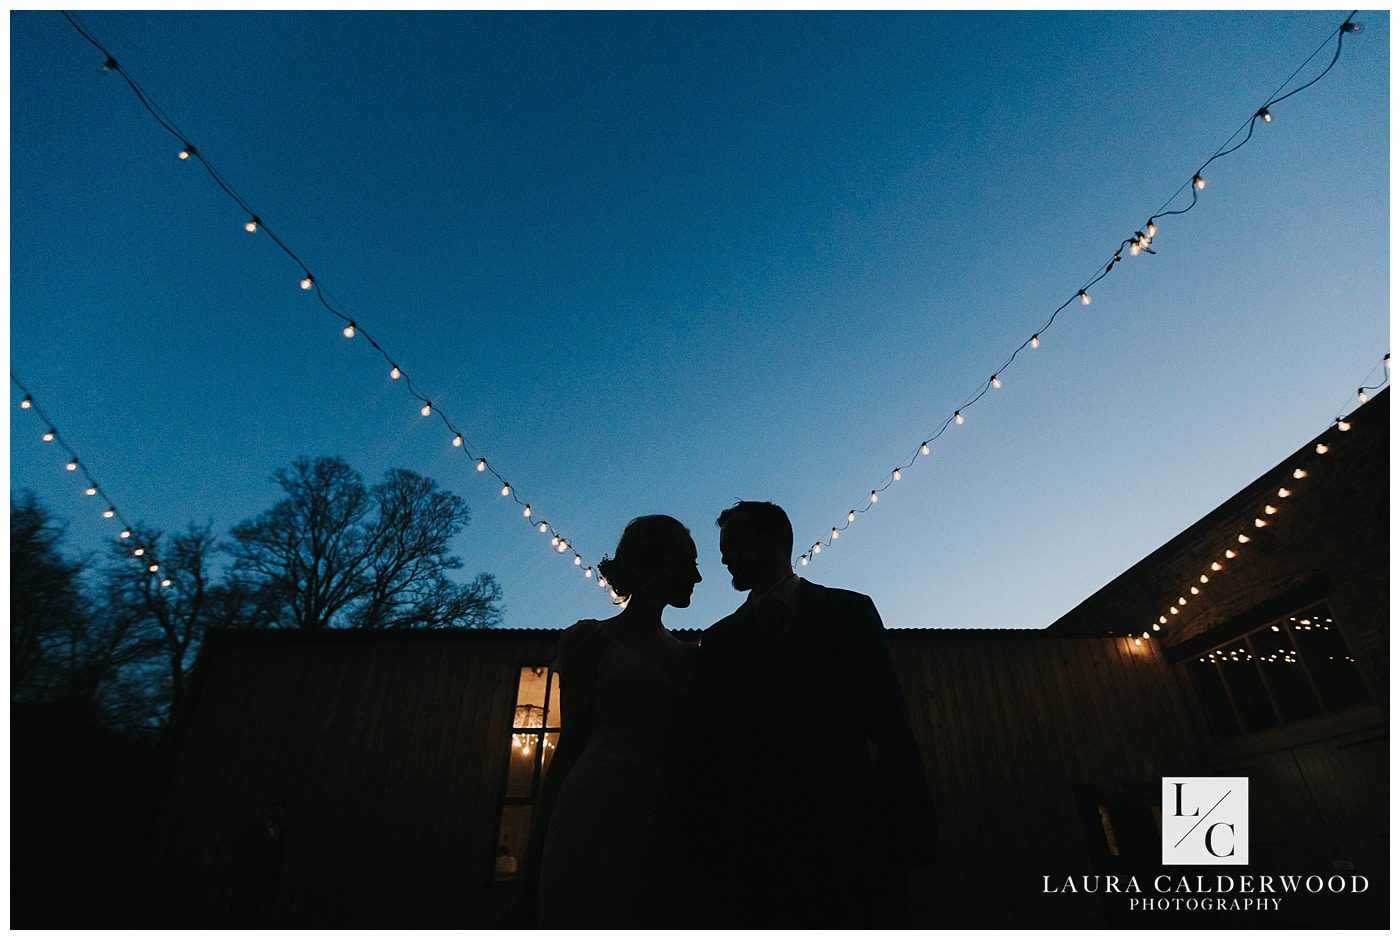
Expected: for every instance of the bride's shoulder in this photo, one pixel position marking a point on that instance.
(580, 642)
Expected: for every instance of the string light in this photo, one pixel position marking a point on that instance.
(349, 331)
(895, 473)
(427, 409)
(394, 373)
(923, 448)
(1343, 425)
(1321, 448)
(109, 512)
(1199, 181)
(505, 490)
(1035, 341)
(1264, 113)
(457, 440)
(91, 491)
(996, 382)
(27, 402)
(307, 282)
(1084, 298)
(958, 417)
(1299, 474)
(251, 225)
(526, 511)
(874, 496)
(125, 533)
(71, 465)
(49, 435)
(1284, 492)
(481, 465)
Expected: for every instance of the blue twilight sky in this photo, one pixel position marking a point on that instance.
(658, 262)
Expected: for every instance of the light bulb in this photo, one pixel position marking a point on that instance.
(306, 282)
(1214, 566)
(602, 582)
(1269, 510)
(1084, 298)
(1175, 611)
(71, 465)
(544, 527)
(1156, 626)
(996, 382)
(153, 568)
(874, 496)
(1133, 249)
(817, 548)
(457, 440)
(1229, 553)
(1181, 601)
(554, 540)
(577, 561)
(185, 152)
(923, 448)
(91, 491)
(896, 473)
(1137, 641)
(1259, 523)
(49, 435)
(835, 535)
(1264, 113)
(526, 511)
(851, 516)
(165, 582)
(804, 561)
(27, 402)
(1151, 229)
(1362, 396)
(1343, 425)
(427, 409)
(251, 225)
(1242, 538)
(1198, 181)
(1195, 590)
(1321, 448)
(562, 547)
(394, 372)
(481, 465)
(1161, 619)
(1284, 492)
(109, 512)
(126, 533)
(958, 417)
(1299, 473)
(505, 490)
(1350, 27)
(138, 552)
(588, 573)
(349, 331)
(110, 64)
(1035, 341)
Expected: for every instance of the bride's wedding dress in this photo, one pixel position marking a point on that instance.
(611, 852)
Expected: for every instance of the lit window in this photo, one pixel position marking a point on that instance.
(533, 737)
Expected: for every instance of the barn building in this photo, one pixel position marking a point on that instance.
(405, 764)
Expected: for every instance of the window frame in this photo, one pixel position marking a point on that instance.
(503, 797)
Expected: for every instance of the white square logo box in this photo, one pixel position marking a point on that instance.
(1205, 820)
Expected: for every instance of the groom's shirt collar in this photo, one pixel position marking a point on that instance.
(777, 601)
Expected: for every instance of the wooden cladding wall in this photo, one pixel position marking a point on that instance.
(389, 751)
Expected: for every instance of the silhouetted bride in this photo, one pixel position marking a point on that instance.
(604, 841)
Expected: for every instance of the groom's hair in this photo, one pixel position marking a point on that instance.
(766, 520)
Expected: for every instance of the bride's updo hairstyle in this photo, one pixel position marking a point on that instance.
(648, 545)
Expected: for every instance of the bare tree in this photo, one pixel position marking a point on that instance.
(334, 553)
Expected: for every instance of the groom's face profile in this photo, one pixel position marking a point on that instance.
(741, 553)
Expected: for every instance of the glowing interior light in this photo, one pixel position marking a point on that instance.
(394, 372)
(71, 465)
(996, 382)
(1343, 425)
(49, 435)
(526, 511)
(1198, 181)
(1161, 619)
(481, 465)
(505, 490)
(1195, 590)
(895, 474)
(1156, 626)
(457, 440)
(349, 331)
(1035, 341)
(27, 402)
(958, 417)
(923, 448)
(1299, 473)
(251, 225)
(1137, 641)
(1174, 610)
(109, 512)
(306, 282)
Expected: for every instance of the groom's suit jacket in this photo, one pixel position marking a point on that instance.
(818, 803)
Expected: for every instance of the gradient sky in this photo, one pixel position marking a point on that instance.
(659, 262)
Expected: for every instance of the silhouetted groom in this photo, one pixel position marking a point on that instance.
(815, 804)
